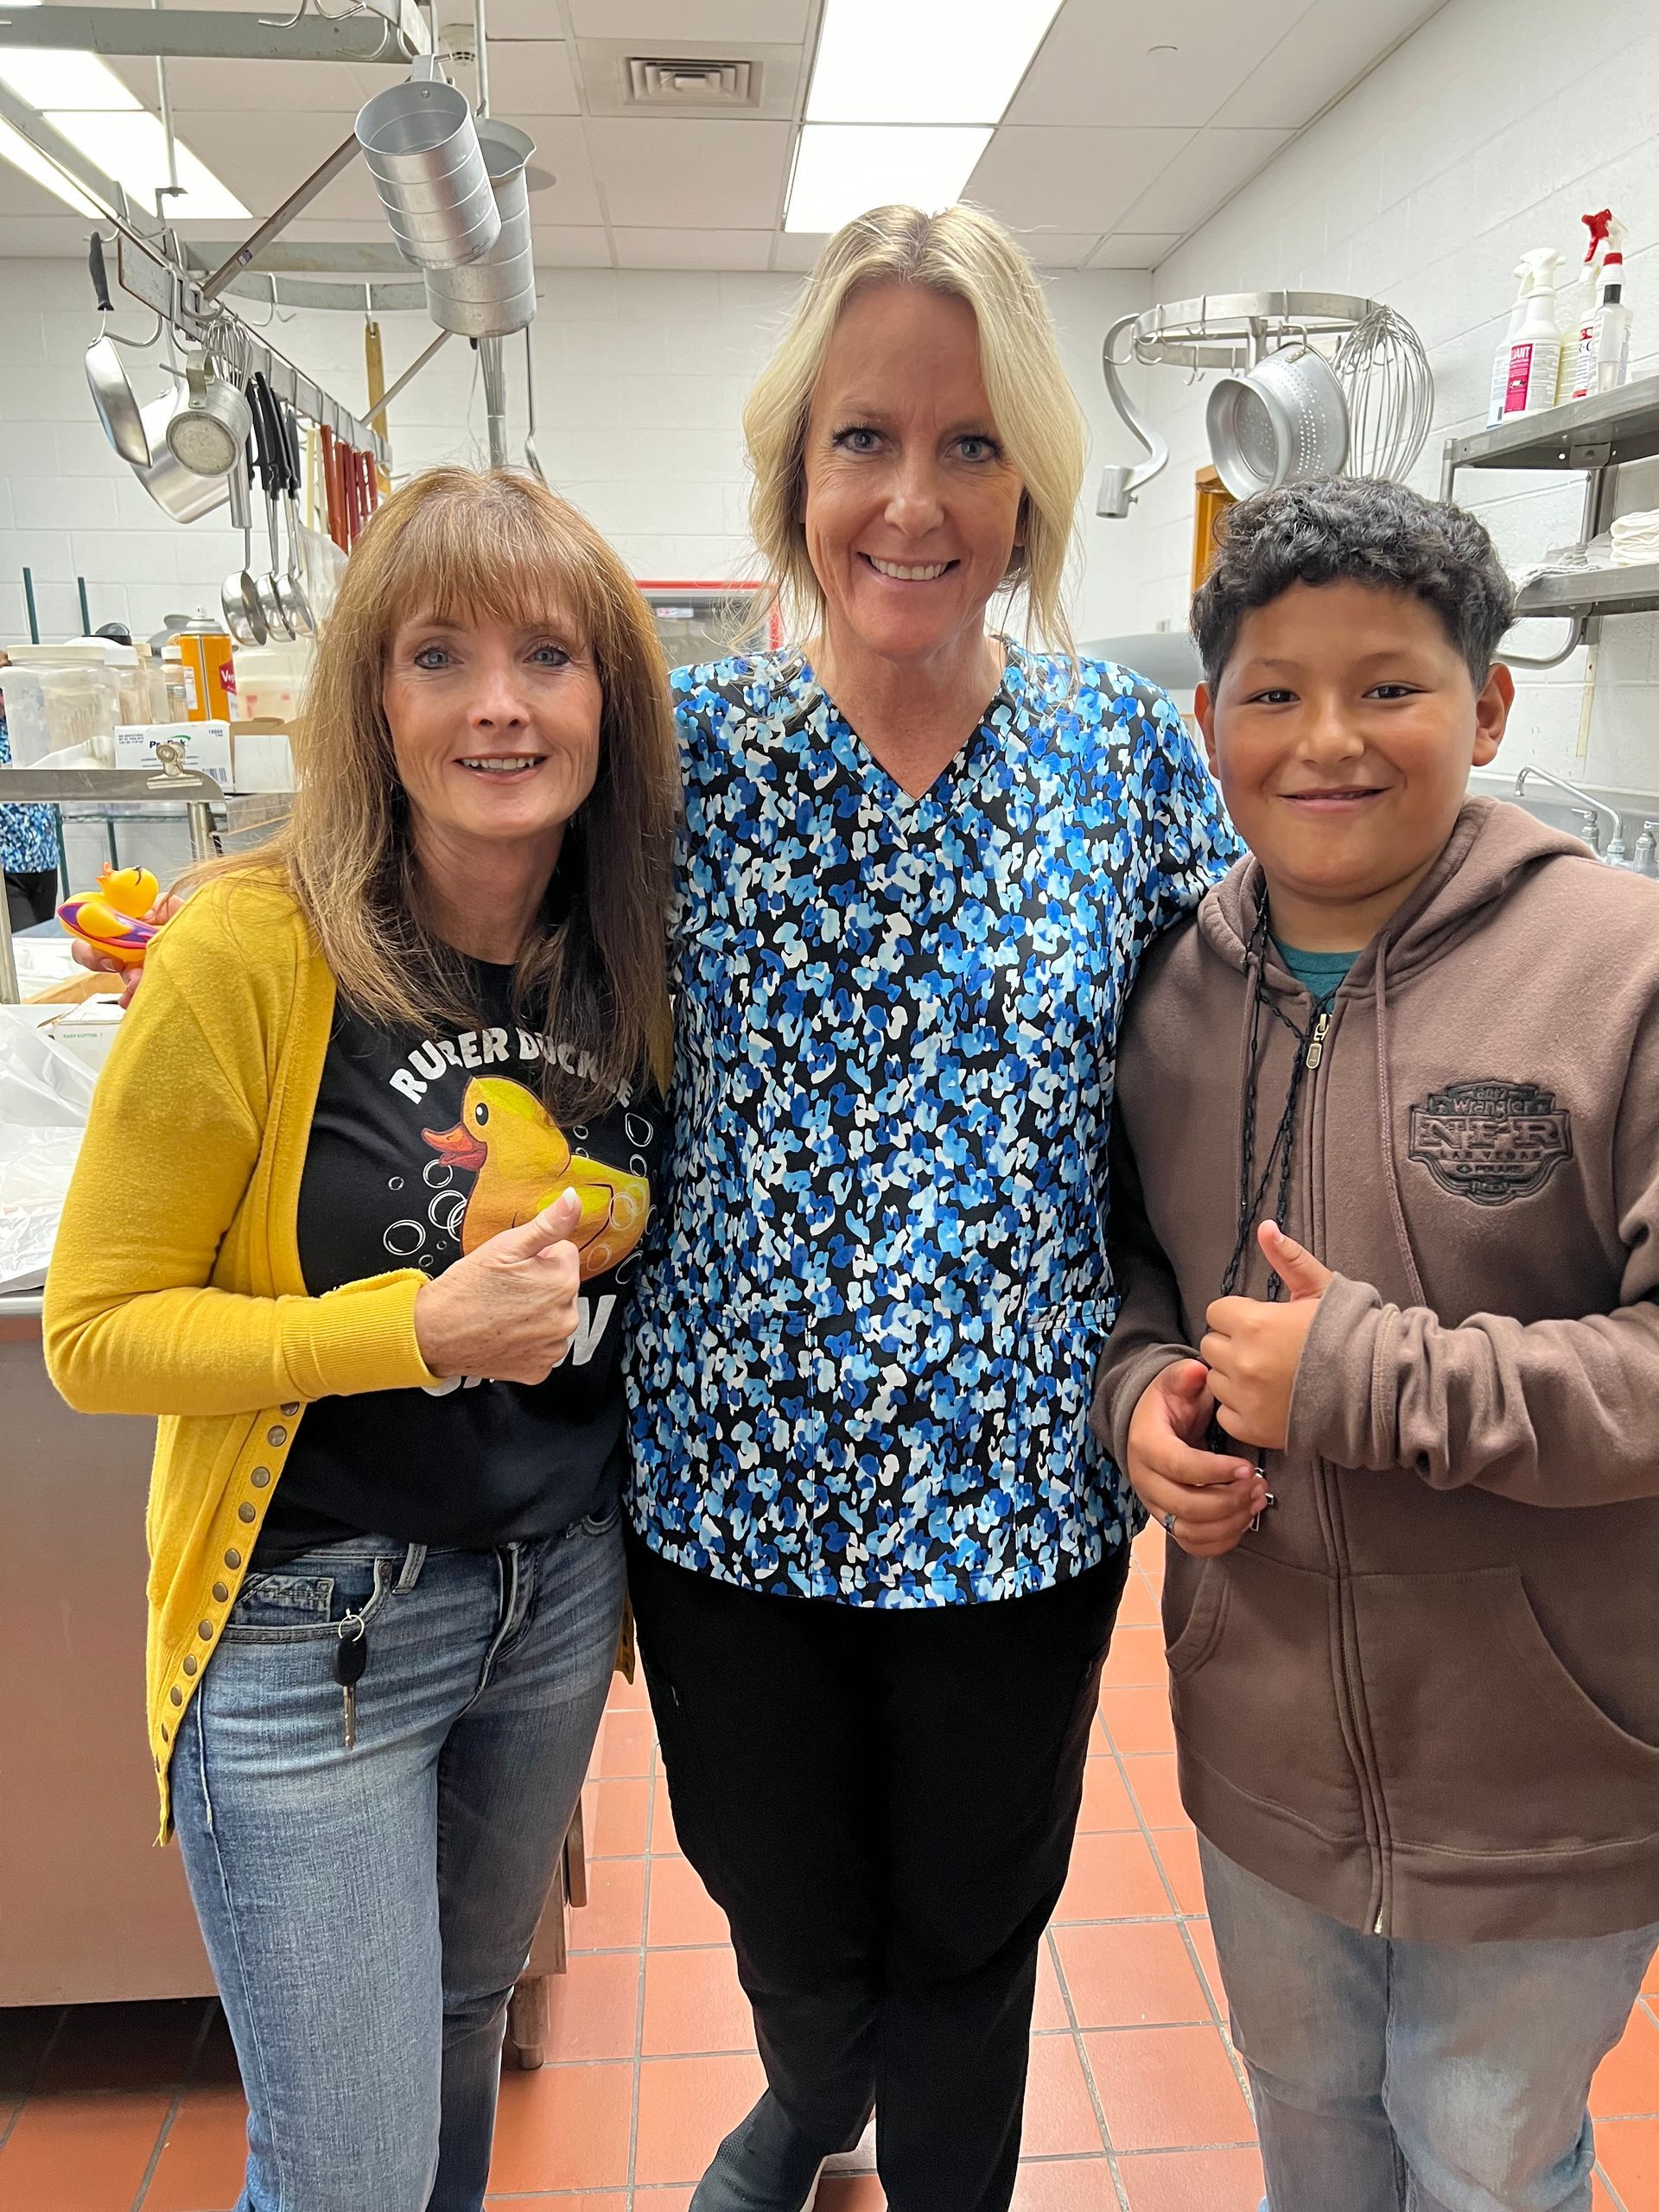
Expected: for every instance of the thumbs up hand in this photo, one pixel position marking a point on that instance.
(1253, 1347)
(508, 1309)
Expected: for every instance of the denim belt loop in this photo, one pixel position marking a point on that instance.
(414, 1560)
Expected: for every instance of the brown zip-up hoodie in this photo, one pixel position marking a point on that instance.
(1424, 1697)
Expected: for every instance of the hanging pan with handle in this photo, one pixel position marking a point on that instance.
(112, 396)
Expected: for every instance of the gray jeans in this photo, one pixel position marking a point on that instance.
(1417, 2077)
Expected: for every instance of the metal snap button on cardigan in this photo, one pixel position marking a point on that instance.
(246, 1512)
(221, 1591)
(190, 1663)
(177, 1695)
(291, 1410)
(277, 1435)
(205, 1631)
(259, 1478)
(232, 1558)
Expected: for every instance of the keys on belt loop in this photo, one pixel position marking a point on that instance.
(350, 1657)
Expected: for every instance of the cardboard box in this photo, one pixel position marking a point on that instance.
(263, 757)
(206, 745)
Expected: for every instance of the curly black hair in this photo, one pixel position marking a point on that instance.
(1330, 528)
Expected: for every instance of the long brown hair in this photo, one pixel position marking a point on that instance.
(462, 546)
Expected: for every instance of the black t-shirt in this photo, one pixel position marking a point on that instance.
(421, 1149)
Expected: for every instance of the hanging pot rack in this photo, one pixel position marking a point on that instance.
(1234, 331)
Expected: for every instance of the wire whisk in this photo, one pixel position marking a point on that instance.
(1390, 387)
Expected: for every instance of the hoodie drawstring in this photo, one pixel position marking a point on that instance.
(1385, 1103)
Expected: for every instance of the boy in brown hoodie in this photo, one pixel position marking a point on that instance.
(1408, 1463)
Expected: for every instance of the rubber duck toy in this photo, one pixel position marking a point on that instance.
(112, 917)
(522, 1161)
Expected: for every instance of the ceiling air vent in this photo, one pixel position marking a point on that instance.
(659, 83)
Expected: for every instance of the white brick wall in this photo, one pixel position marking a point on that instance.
(640, 382)
(1490, 131)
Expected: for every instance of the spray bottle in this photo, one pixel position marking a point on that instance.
(1535, 354)
(1579, 301)
(1501, 358)
(1602, 360)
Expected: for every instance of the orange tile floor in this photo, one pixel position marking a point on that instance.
(1136, 2101)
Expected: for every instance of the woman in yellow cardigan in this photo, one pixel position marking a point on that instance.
(356, 1216)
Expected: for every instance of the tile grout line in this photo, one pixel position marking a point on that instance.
(45, 2052)
(653, 1763)
(1082, 2050)
(1149, 1835)
(203, 2028)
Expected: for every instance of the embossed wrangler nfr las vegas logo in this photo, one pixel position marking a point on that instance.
(1491, 1141)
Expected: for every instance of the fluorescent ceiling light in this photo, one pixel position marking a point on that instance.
(924, 60)
(48, 77)
(132, 148)
(23, 155)
(82, 98)
(842, 168)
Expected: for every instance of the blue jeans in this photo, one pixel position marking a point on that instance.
(367, 1912)
(1417, 2077)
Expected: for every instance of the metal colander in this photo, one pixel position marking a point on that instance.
(1286, 419)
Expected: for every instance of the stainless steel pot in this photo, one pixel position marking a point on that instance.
(176, 489)
(421, 147)
(495, 294)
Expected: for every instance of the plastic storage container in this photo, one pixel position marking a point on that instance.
(270, 679)
(81, 696)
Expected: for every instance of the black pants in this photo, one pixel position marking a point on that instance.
(883, 1805)
(31, 896)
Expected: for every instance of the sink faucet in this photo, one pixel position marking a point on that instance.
(1587, 806)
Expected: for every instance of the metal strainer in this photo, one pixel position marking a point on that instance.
(1286, 419)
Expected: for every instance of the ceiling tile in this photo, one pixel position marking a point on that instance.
(522, 19)
(667, 174)
(561, 152)
(1113, 58)
(692, 249)
(797, 250)
(569, 246)
(1332, 47)
(1059, 249)
(258, 88)
(531, 77)
(1134, 249)
(45, 236)
(1086, 179)
(1210, 171)
(665, 20)
(262, 167)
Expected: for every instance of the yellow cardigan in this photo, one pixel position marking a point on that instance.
(175, 1286)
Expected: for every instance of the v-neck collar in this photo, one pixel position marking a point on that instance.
(849, 749)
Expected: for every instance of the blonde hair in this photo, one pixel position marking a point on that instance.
(459, 546)
(963, 254)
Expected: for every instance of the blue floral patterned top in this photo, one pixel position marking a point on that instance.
(28, 843)
(866, 1331)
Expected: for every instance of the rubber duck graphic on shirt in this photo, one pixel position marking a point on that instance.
(523, 1160)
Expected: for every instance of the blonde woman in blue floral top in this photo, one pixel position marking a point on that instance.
(877, 1555)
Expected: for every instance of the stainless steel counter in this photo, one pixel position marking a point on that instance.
(91, 1909)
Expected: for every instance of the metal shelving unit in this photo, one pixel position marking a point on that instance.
(208, 810)
(1597, 436)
